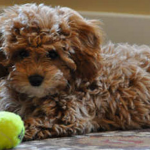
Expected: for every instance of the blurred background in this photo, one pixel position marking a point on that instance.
(123, 20)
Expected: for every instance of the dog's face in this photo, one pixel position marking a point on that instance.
(48, 48)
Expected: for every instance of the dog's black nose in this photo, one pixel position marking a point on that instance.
(36, 80)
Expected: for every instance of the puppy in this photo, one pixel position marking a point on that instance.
(62, 82)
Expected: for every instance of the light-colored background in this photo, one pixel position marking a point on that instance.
(124, 20)
(121, 6)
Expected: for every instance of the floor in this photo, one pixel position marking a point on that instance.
(115, 140)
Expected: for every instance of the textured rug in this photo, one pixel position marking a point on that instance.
(116, 140)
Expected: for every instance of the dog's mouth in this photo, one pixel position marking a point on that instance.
(40, 90)
(39, 86)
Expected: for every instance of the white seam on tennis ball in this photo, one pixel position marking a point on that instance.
(11, 142)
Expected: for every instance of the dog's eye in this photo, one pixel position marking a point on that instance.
(23, 54)
(52, 54)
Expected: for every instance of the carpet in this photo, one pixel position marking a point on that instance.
(114, 140)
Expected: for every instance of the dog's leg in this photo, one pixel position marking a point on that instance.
(41, 128)
(60, 118)
(36, 128)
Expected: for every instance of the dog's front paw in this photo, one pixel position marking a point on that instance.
(37, 128)
(41, 128)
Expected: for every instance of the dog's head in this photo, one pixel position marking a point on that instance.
(46, 48)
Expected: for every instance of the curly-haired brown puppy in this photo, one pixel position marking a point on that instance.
(61, 82)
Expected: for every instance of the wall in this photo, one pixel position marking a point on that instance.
(118, 6)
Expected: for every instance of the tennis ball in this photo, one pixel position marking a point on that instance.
(11, 130)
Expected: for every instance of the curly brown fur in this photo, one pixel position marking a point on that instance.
(3, 69)
(62, 83)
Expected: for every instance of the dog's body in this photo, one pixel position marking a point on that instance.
(61, 82)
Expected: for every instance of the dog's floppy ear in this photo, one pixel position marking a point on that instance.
(86, 46)
(3, 68)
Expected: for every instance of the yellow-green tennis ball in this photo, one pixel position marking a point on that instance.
(11, 130)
